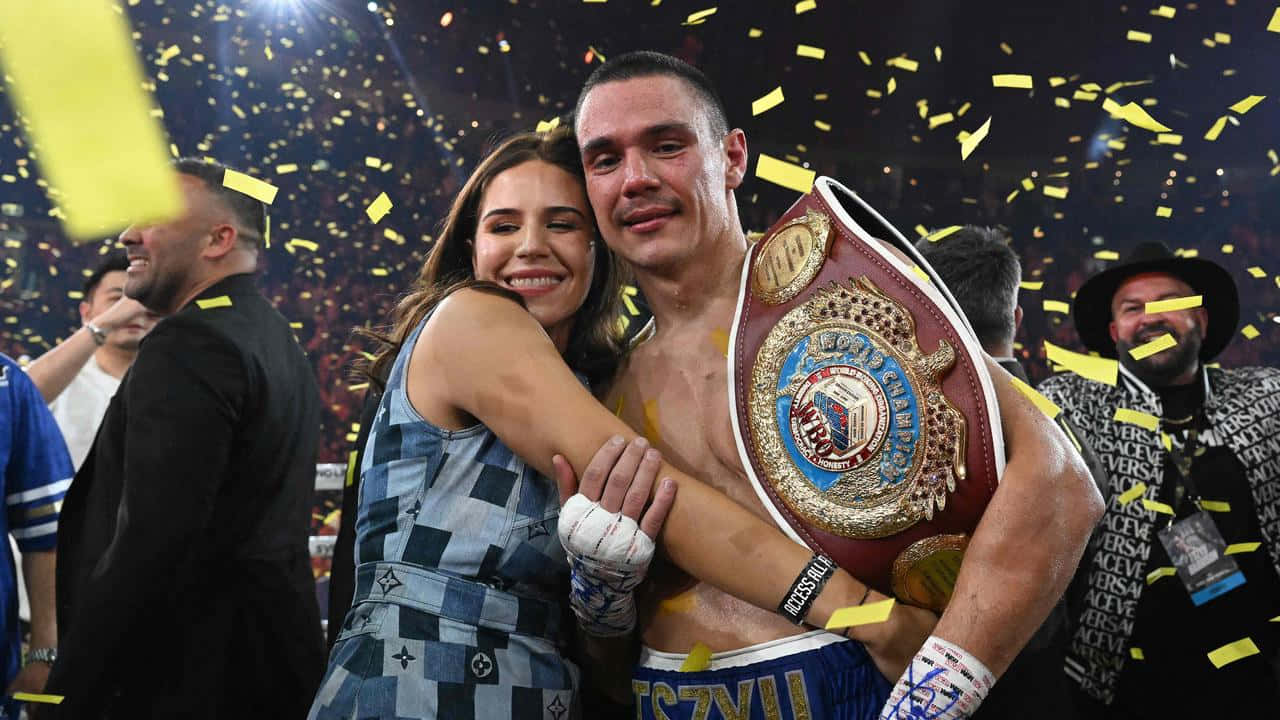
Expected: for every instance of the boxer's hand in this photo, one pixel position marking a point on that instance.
(609, 551)
(892, 644)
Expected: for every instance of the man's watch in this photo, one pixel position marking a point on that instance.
(46, 655)
(99, 335)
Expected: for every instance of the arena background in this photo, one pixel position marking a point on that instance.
(361, 98)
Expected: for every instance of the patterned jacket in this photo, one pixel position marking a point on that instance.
(1243, 408)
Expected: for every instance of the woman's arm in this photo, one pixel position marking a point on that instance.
(498, 365)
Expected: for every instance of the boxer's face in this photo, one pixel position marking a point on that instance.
(1132, 326)
(535, 237)
(658, 177)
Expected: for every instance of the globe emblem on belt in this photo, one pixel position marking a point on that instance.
(839, 417)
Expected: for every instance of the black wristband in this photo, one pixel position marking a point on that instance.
(795, 606)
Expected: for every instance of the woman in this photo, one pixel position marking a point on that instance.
(460, 578)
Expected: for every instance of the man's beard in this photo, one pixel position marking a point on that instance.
(1165, 366)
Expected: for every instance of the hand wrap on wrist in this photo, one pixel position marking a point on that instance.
(942, 681)
(608, 557)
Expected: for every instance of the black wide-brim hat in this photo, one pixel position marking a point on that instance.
(1092, 308)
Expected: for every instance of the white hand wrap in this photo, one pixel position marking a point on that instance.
(609, 557)
(942, 681)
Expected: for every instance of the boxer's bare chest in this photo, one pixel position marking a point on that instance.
(673, 390)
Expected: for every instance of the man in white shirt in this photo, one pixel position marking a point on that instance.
(79, 376)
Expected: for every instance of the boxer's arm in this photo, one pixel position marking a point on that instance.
(493, 361)
(1030, 539)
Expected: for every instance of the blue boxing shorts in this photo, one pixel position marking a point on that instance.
(814, 676)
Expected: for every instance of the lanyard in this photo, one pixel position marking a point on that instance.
(1185, 484)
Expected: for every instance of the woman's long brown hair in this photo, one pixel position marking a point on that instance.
(594, 343)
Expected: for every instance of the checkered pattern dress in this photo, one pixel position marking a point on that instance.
(461, 582)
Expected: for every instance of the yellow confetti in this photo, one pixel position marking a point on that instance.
(1024, 82)
(93, 73)
(379, 208)
(1173, 304)
(1138, 36)
(941, 119)
(306, 244)
(893, 85)
(379, 272)
(1164, 11)
(769, 101)
(805, 6)
(1164, 212)
(937, 53)
(1132, 493)
(214, 302)
(1257, 272)
(1107, 255)
(809, 51)
(373, 162)
(1239, 649)
(1160, 344)
(1136, 653)
(1157, 507)
(351, 468)
(1057, 306)
(1247, 104)
(1031, 284)
(1160, 572)
(1222, 38)
(869, 614)
(1061, 102)
(700, 16)
(38, 698)
(720, 338)
(784, 173)
(864, 57)
(547, 125)
(682, 603)
(1044, 404)
(699, 659)
(754, 32)
(903, 63)
(1236, 548)
(1136, 417)
(286, 168)
(1249, 331)
(1215, 506)
(1169, 139)
(1055, 192)
(1084, 95)
(937, 235)
(259, 190)
(824, 127)
(1056, 81)
(1103, 370)
(1274, 25)
(1133, 114)
(1228, 249)
(969, 144)
(1216, 129)
(1006, 48)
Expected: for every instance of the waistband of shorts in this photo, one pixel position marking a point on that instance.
(813, 640)
(460, 599)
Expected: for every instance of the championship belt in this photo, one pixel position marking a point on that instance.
(865, 415)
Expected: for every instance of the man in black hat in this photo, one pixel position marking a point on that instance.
(1186, 577)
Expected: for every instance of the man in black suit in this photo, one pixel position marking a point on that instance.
(983, 274)
(184, 583)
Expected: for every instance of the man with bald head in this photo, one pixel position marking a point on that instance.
(184, 583)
